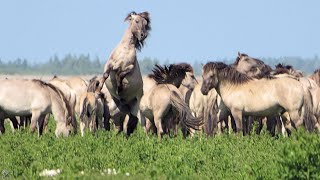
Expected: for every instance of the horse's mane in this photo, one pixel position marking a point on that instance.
(139, 44)
(58, 91)
(167, 74)
(186, 66)
(228, 72)
(282, 68)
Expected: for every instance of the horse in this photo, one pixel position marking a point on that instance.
(252, 67)
(122, 74)
(309, 85)
(244, 96)
(104, 97)
(36, 98)
(164, 105)
(91, 111)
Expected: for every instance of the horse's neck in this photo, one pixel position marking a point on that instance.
(128, 40)
(223, 89)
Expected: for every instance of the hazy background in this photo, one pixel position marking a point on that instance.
(192, 31)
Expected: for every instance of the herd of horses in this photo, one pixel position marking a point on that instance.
(229, 97)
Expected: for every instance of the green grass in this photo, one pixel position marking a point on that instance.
(24, 155)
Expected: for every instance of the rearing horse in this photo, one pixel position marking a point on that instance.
(122, 74)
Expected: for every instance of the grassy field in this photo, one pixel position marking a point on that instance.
(24, 155)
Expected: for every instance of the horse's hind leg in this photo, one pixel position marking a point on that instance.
(132, 124)
(295, 119)
(133, 117)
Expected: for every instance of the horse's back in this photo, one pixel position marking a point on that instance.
(265, 95)
(20, 96)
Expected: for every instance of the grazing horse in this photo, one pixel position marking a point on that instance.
(164, 105)
(122, 74)
(245, 96)
(36, 98)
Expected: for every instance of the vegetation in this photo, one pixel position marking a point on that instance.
(24, 155)
(84, 64)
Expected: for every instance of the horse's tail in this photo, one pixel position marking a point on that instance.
(185, 117)
(308, 116)
(84, 108)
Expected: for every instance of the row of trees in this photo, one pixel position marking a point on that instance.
(84, 64)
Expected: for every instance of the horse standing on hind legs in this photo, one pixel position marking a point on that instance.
(247, 97)
(122, 74)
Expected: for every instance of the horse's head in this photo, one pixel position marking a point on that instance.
(139, 25)
(93, 84)
(210, 76)
(245, 63)
(189, 80)
(251, 66)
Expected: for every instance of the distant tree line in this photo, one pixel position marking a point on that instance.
(85, 65)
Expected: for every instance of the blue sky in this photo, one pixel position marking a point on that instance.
(181, 30)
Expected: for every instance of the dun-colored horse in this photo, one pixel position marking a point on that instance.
(36, 98)
(164, 105)
(122, 74)
(247, 97)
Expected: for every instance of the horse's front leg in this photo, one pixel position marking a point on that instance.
(237, 115)
(14, 121)
(41, 123)
(2, 129)
(104, 77)
(122, 75)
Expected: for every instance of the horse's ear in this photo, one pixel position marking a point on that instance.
(129, 16)
(239, 54)
(201, 65)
